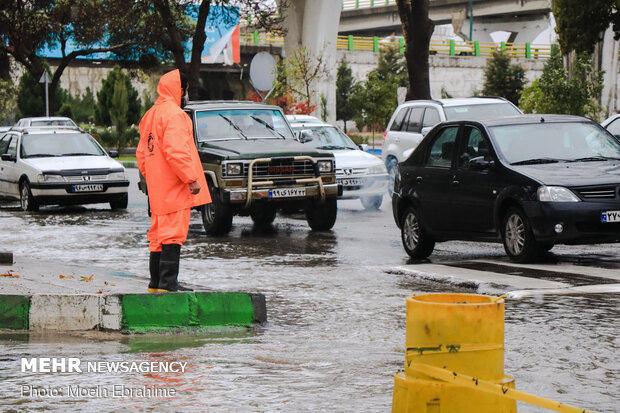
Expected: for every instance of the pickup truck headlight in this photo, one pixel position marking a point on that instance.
(117, 176)
(326, 166)
(233, 169)
(50, 178)
(556, 194)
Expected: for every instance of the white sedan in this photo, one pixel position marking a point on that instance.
(59, 166)
(361, 174)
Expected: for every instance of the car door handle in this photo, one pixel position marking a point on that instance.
(455, 183)
(419, 180)
(396, 139)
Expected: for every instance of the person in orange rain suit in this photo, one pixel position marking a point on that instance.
(169, 161)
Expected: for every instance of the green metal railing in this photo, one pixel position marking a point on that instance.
(446, 47)
(356, 4)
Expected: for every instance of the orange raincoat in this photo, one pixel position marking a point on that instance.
(167, 155)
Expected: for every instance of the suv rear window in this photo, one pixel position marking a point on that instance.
(398, 120)
(484, 111)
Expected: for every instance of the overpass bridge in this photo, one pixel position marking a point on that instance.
(524, 19)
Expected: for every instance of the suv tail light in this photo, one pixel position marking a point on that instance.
(384, 135)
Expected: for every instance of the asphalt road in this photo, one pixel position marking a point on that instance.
(335, 303)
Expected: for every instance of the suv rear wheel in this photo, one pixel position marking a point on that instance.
(417, 242)
(372, 202)
(519, 242)
(321, 216)
(216, 216)
(390, 164)
(26, 199)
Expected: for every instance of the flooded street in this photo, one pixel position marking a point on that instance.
(335, 335)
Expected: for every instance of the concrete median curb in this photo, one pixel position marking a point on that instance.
(131, 312)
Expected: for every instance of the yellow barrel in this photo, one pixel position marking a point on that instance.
(459, 332)
(413, 395)
(462, 333)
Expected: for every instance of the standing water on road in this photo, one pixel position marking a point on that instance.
(336, 319)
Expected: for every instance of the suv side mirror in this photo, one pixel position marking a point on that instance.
(113, 153)
(8, 157)
(426, 130)
(480, 164)
(363, 146)
(305, 136)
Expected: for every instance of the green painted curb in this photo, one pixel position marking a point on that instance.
(190, 310)
(14, 312)
(151, 311)
(220, 309)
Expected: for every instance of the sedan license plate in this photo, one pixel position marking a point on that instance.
(287, 192)
(87, 188)
(610, 216)
(352, 182)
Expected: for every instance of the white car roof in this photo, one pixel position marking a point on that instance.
(304, 119)
(459, 101)
(609, 120)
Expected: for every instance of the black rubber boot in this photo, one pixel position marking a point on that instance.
(169, 268)
(154, 270)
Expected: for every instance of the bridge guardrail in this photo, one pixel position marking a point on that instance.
(356, 4)
(445, 47)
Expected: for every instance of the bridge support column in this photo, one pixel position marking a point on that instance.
(313, 24)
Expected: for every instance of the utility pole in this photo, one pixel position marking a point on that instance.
(46, 79)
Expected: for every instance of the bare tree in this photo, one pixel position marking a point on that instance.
(417, 30)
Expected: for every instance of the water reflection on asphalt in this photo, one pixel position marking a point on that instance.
(336, 330)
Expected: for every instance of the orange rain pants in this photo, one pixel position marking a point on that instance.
(169, 228)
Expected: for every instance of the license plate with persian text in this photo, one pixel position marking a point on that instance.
(87, 188)
(610, 216)
(287, 192)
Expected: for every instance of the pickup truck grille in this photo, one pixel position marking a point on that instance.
(279, 169)
(296, 168)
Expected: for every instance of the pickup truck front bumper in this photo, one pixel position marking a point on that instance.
(311, 192)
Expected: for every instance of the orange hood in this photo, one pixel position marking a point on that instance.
(169, 88)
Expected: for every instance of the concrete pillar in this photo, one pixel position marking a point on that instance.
(313, 24)
(609, 63)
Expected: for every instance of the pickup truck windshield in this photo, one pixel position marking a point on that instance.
(228, 124)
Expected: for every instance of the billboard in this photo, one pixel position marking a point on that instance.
(221, 44)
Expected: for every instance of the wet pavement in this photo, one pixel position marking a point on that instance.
(336, 309)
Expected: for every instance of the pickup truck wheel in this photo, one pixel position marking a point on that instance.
(119, 203)
(321, 216)
(216, 216)
(418, 243)
(26, 199)
(264, 215)
(372, 202)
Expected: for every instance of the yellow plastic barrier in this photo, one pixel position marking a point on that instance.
(460, 332)
(455, 359)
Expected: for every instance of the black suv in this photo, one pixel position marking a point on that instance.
(254, 166)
